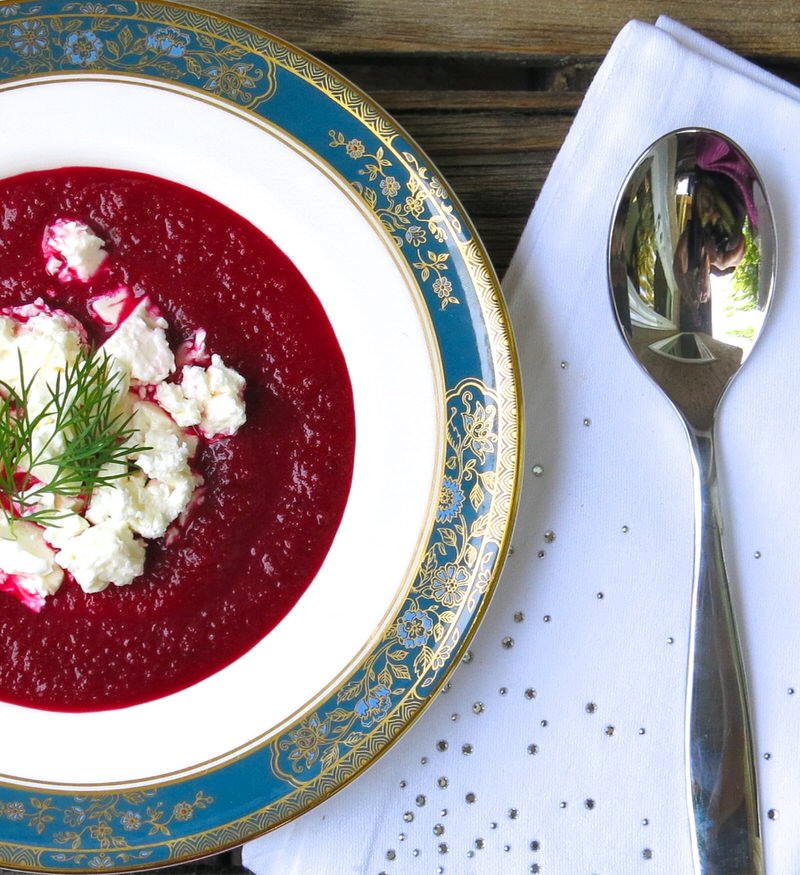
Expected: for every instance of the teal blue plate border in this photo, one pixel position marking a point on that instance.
(323, 750)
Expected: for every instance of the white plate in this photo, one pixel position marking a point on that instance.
(294, 149)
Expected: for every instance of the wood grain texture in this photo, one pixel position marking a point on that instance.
(536, 28)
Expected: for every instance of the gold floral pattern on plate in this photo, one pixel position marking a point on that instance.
(324, 749)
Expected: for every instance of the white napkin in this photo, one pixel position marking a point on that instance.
(585, 775)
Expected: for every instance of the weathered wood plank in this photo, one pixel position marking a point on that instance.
(429, 103)
(537, 28)
(484, 134)
(411, 74)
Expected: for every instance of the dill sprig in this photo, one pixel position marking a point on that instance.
(77, 432)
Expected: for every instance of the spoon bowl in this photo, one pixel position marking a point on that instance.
(691, 263)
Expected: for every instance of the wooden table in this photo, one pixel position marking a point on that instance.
(488, 88)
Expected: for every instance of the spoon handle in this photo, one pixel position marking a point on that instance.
(720, 760)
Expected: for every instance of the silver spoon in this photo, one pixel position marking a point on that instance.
(691, 269)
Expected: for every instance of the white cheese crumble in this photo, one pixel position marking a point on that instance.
(72, 250)
(101, 539)
(25, 555)
(211, 398)
(169, 449)
(47, 341)
(103, 554)
(193, 351)
(152, 497)
(110, 308)
(140, 345)
(148, 507)
(68, 525)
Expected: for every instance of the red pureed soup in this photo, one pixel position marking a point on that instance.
(274, 493)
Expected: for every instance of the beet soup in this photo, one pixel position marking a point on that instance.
(274, 493)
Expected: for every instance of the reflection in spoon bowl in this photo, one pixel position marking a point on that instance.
(691, 270)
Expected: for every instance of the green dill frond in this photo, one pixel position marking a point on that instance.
(88, 436)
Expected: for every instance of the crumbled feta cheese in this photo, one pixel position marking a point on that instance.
(169, 451)
(146, 506)
(115, 501)
(149, 499)
(68, 525)
(140, 345)
(72, 250)
(103, 554)
(98, 539)
(112, 307)
(211, 398)
(47, 442)
(185, 411)
(25, 555)
(179, 524)
(193, 351)
(25, 312)
(8, 333)
(48, 341)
